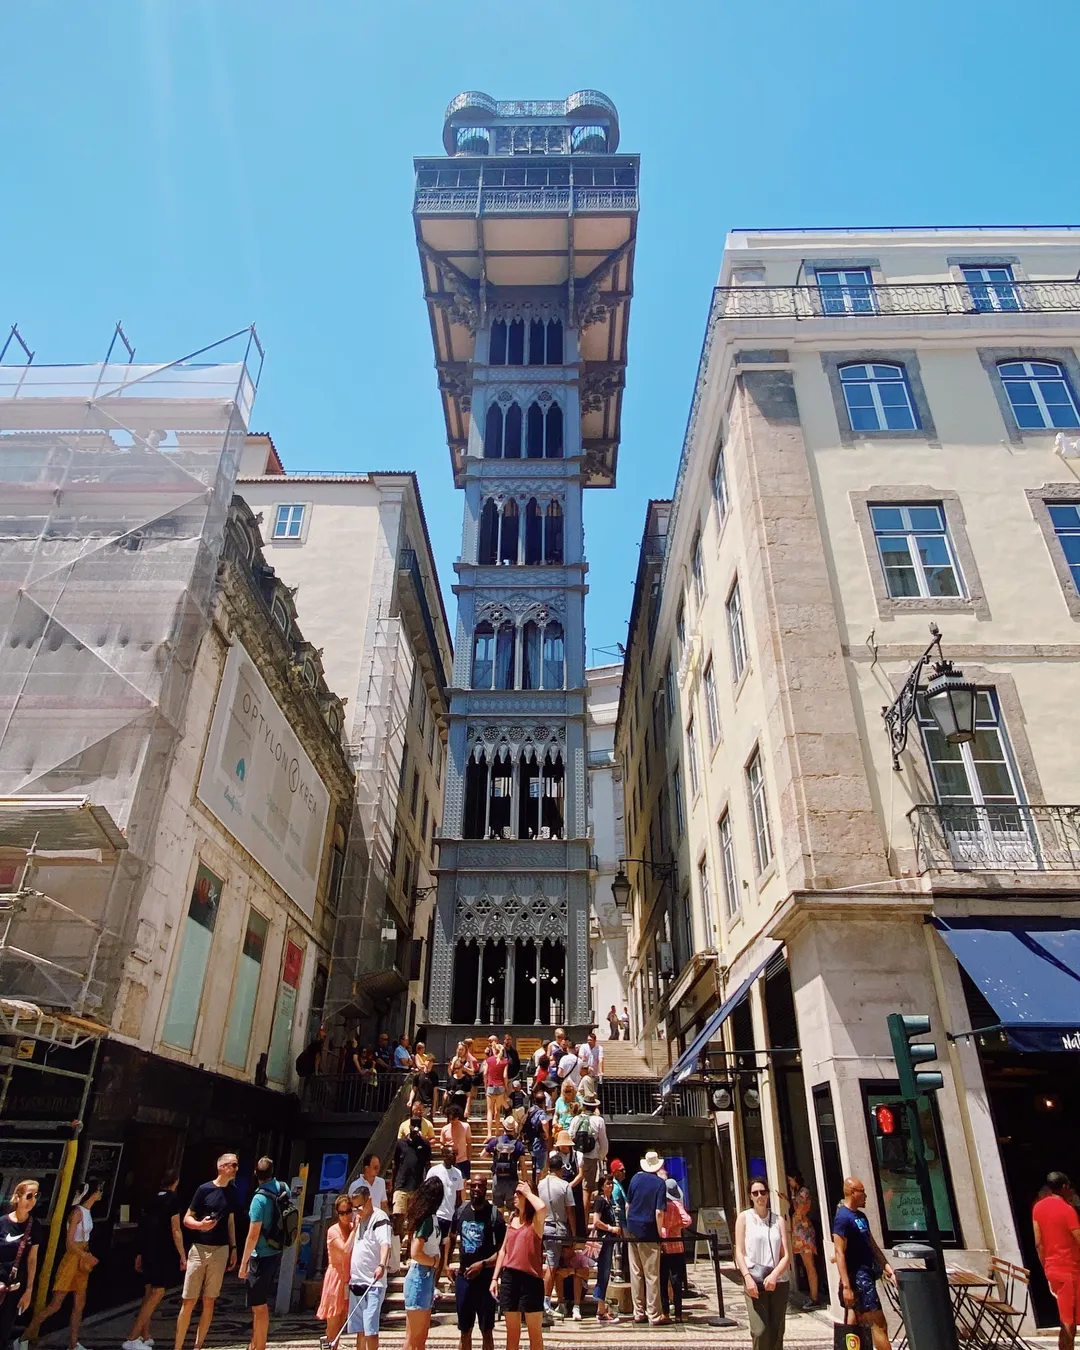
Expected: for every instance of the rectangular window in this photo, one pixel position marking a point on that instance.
(759, 810)
(414, 795)
(278, 1057)
(893, 1163)
(424, 820)
(406, 878)
(421, 712)
(680, 632)
(641, 783)
(431, 740)
(662, 820)
(697, 571)
(705, 893)
(878, 398)
(728, 870)
(245, 991)
(991, 288)
(438, 761)
(288, 522)
(191, 965)
(979, 773)
(1039, 394)
(915, 550)
(846, 291)
(719, 485)
(669, 690)
(677, 802)
(712, 709)
(395, 844)
(1066, 521)
(403, 775)
(692, 758)
(736, 633)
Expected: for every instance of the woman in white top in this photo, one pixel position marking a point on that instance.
(763, 1255)
(75, 1266)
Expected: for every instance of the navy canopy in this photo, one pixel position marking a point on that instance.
(1028, 971)
(687, 1061)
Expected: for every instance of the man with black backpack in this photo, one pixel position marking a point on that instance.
(273, 1222)
(536, 1133)
(505, 1150)
(589, 1134)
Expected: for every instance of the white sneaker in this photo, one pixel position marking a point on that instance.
(575, 1316)
(136, 1343)
(79, 1346)
(22, 1345)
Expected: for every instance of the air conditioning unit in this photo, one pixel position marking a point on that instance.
(1068, 447)
(666, 957)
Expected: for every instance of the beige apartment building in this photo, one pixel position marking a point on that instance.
(884, 436)
(355, 551)
(604, 804)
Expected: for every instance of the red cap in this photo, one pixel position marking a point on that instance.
(615, 1166)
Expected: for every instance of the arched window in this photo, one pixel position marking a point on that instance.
(483, 664)
(553, 439)
(493, 430)
(534, 533)
(537, 343)
(554, 659)
(497, 347)
(508, 534)
(504, 656)
(534, 432)
(488, 549)
(512, 434)
(554, 342)
(1039, 394)
(515, 343)
(553, 534)
(530, 656)
(502, 432)
(878, 397)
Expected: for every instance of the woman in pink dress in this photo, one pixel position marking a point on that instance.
(334, 1304)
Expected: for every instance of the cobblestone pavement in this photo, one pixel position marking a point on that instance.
(232, 1323)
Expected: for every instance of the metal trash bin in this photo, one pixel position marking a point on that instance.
(924, 1299)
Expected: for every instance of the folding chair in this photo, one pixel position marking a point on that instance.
(1001, 1310)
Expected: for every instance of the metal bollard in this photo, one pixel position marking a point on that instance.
(721, 1320)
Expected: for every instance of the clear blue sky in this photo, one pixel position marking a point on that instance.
(192, 165)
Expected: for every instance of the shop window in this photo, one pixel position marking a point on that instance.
(893, 1163)
(245, 991)
(193, 961)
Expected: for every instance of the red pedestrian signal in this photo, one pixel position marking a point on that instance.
(885, 1120)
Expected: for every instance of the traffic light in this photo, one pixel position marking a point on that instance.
(908, 1054)
(884, 1120)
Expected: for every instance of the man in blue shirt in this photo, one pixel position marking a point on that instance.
(261, 1264)
(860, 1262)
(403, 1060)
(646, 1201)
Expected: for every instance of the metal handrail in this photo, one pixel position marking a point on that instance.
(1000, 837)
(885, 300)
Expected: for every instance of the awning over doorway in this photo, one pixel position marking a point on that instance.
(687, 1061)
(1029, 972)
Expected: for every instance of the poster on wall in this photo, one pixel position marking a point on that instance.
(259, 782)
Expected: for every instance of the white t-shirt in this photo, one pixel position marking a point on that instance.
(570, 1069)
(84, 1225)
(376, 1187)
(452, 1183)
(371, 1237)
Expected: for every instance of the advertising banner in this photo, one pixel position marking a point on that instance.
(261, 785)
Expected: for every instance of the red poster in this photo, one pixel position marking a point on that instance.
(294, 961)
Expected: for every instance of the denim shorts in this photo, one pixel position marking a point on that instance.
(364, 1310)
(419, 1288)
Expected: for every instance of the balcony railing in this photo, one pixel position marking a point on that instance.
(524, 200)
(325, 1093)
(914, 298)
(1000, 838)
(642, 1097)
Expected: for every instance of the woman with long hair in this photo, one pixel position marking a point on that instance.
(804, 1241)
(161, 1255)
(763, 1256)
(20, 1242)
(518, 1281)
(495, 1067)
(425, 1254)
(564, 1105)
(459, 1082)
(334, 1304)
(73, 1272)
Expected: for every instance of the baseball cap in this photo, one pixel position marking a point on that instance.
(614, 1165)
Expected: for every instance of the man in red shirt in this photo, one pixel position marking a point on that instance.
(1057, 1240)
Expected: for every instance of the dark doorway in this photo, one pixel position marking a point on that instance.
(466, 978)
(524, 983)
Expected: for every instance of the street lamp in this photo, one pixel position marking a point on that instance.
(950, 698)
(620, 887)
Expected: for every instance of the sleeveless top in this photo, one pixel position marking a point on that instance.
(523, 1250)
(764, 1246)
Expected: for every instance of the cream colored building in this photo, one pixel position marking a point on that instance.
(883, 436)
(354, 548)
(604, 802)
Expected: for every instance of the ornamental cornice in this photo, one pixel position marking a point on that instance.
(601, 380)
(478, 467)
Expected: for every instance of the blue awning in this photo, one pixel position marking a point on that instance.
(1028, 971)
(688, 1060)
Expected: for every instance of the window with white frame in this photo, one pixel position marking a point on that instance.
(280, 614)
(719, 485)
(289, 521)
(847, 290)
(878, 397)
(979, 772)
(1039, 394)
(1065, 517)
(736, 633)
(697, 570)
(669, 690)
(692, 767)
(759, 810)
(712, 708)
(705, 891)
(677, 806)
(991, 288)
(916, 553)
(680, 632)
(728, 871)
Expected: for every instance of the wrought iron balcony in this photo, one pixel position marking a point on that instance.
(1000, 838)
(914, 298)
(489, 201)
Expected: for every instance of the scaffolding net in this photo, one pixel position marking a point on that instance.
(115, 482)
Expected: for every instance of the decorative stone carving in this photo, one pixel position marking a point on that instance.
(597, 461)
(601, 380)
(509, 308)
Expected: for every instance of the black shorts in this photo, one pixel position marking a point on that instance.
(475, 1302)
(160, 1269)
(262, 1279)
(520, 1292)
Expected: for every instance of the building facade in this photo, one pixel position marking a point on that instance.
(387, 648)
(604, 801)
(882, 437)
(526, 234)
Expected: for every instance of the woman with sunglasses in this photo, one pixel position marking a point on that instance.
(763, 1256)
(20, 1242)
(73, 1272)
(334, 1304)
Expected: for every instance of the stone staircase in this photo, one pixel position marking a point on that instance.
(622, 1059)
